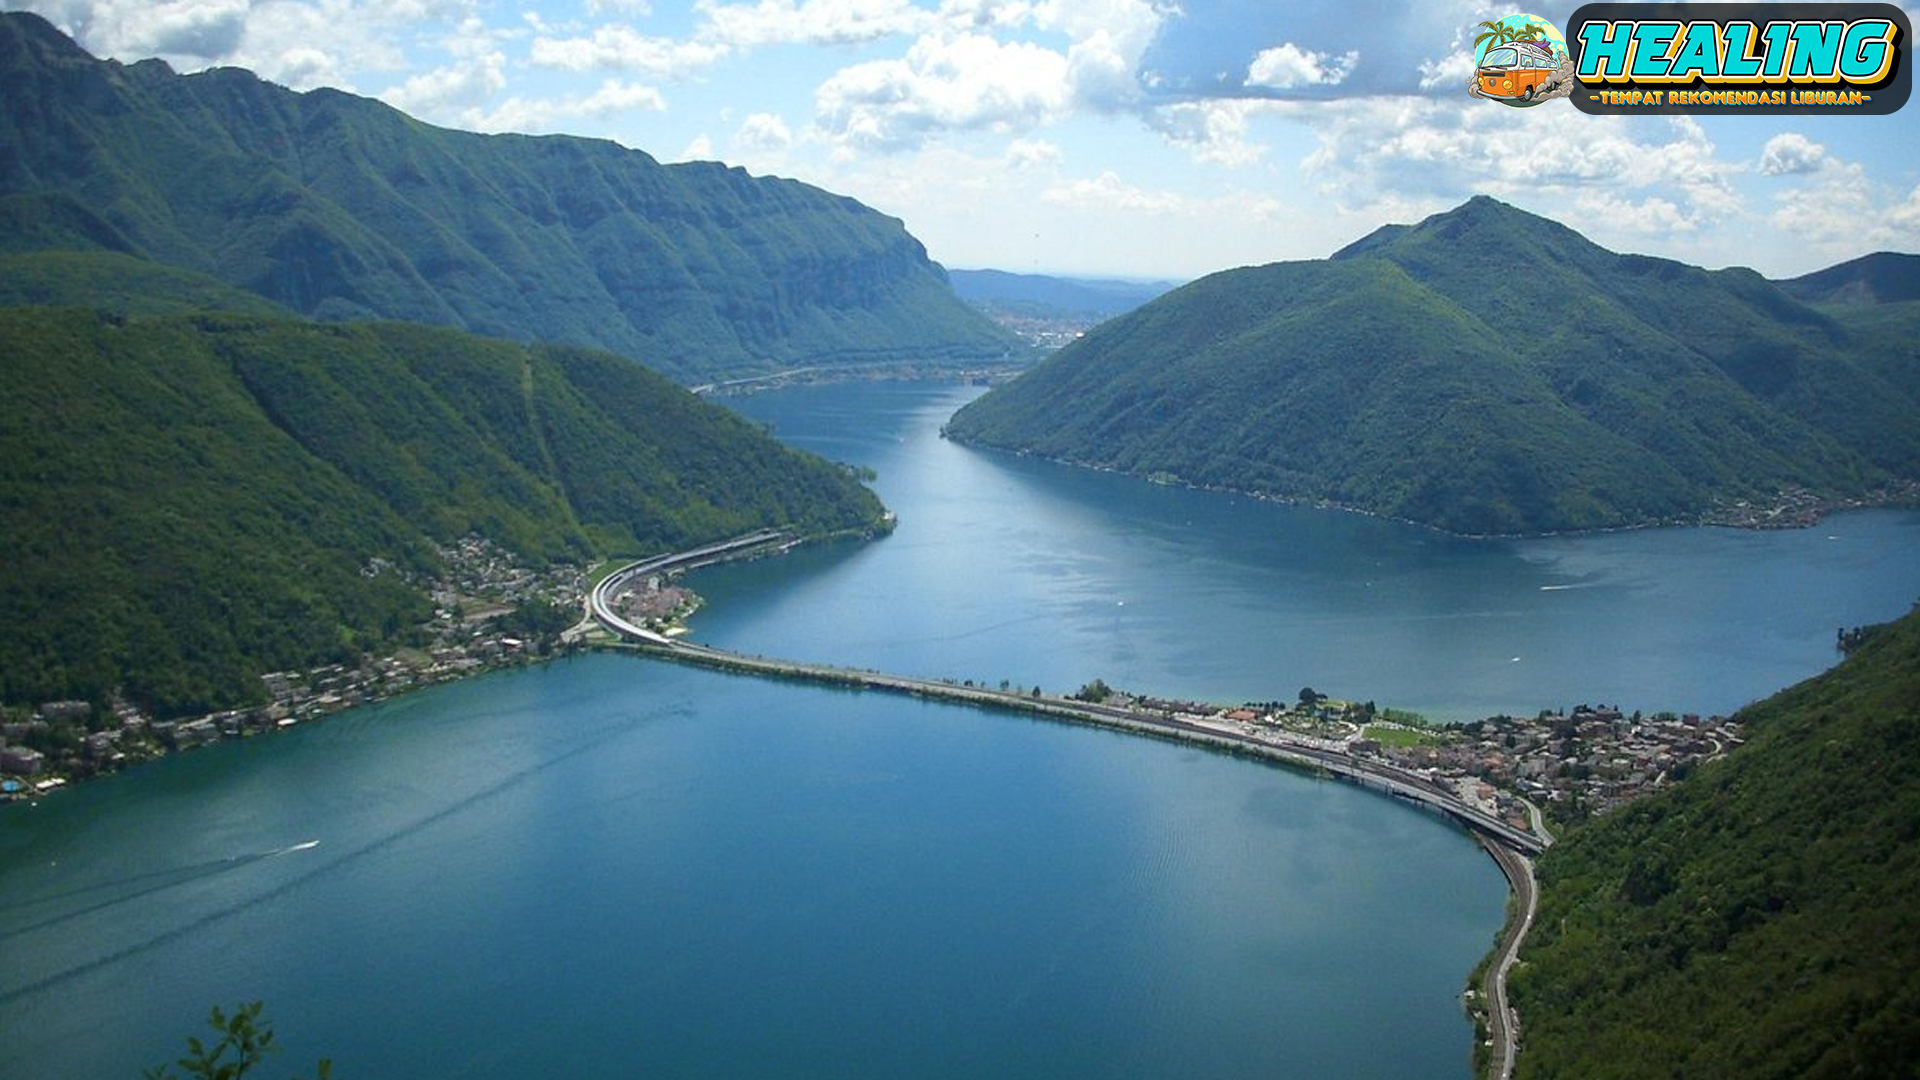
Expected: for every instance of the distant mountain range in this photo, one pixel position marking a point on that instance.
(338, 207)
(1758, 919)
(1041, 295)
(1486, 371)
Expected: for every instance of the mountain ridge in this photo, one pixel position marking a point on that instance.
(340, 207)
(191, 500)
(1506, 376)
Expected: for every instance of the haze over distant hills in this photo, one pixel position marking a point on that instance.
(339, 207)
(1485, 371)
(1042, 294)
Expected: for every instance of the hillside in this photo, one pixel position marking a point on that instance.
(338, 207)
(190, 500)
(1037, 295)
(1759, 919)
(1485, 372)
(1884, 277)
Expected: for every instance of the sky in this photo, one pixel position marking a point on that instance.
(1115, 138)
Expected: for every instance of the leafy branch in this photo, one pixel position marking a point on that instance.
(245, 1041)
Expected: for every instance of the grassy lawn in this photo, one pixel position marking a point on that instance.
(1398, 737)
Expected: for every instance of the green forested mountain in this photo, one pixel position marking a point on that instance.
(1884, 277)
(119, 283)
(338, 207)
(1761, 919)
(1485, 371)
(189, 500)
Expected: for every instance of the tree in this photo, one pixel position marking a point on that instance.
(1309, 696)
(1095, 691)
(244, 1036)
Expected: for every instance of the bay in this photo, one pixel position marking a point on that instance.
(614, 867)
(1011, 568)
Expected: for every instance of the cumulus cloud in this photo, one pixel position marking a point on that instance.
(1108, 192)
(809, 22)
(540, 115)
(1791, 154)
(763, 133)
(1025, 154)
(1213, 131)
(455, 89)
(1289, 66)
(1635, 174)
(620, 47)
(943, 83)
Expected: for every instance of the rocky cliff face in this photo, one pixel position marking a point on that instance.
(340, 207)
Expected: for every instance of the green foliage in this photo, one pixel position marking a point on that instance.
(1096, 691)
(189, 501)
(245, 1041)
(1884, 277)
(341, 208)
(1485, 372)
(122, 284)
(1758, 919)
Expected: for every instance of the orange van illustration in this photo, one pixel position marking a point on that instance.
(1517, 69)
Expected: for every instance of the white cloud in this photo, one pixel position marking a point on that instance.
(458, 88)
(1213, 131)
(961, 82)
(700, 149)
(1024, 154)
(1635, 174)
(809, 22)
(763, 133)
(1287, 66)
(1791, 154)
(1108, 192)
(620, 47)
(634, 8)
(541, 115)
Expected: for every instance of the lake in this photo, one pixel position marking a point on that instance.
(1010, 568)
(611, 866)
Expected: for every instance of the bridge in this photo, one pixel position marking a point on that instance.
(1511, 848)
(1377, 775)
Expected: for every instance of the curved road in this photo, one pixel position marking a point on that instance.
(1509, 847)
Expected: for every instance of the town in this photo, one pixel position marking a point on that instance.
(490, 612)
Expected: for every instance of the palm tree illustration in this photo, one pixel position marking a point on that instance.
(1498, 33)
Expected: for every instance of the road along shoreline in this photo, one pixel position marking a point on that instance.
(1509, 847)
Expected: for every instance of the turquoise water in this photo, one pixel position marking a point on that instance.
(1009, 568)
(615, 867)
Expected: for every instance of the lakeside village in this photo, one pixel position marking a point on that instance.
(492, 613)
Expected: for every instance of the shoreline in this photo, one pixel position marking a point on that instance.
(1509, 849)
(1804, 513)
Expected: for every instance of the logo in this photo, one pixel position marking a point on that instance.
(1741, 58)
(1521, 60)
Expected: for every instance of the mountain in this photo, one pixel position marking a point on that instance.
(1757, 920)
(1884, 277)
(338, 207)
(191, 500)
(1039, 295)
(1486, 371)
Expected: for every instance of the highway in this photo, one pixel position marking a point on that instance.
(1511, 848)
(1371, 774)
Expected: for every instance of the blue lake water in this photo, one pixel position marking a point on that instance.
(614, 867)
(1010, 568)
